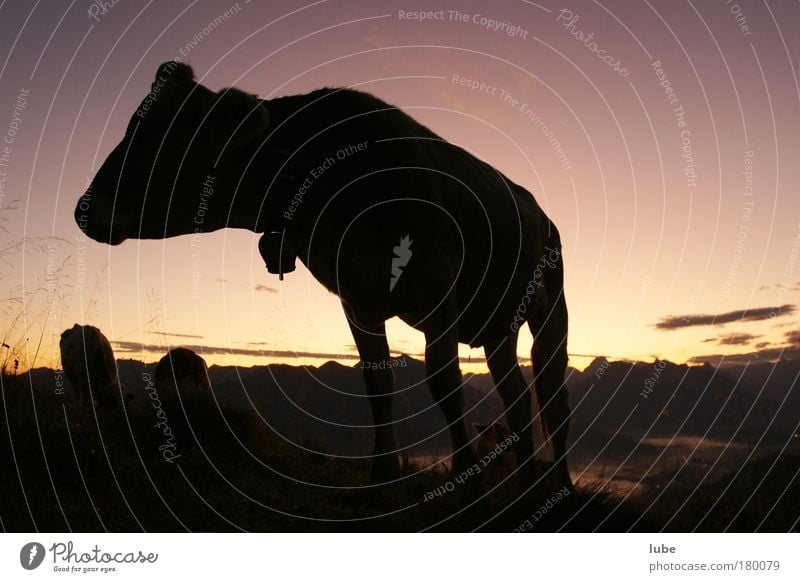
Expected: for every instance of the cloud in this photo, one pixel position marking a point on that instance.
(123, 346)
(129, 346)
(757, 314)
(265, 288)
(167, 334)
(761, 355)
(734, 339)
(788, 286)
(410, 350)
(793, 337)
(768, 356)
(220, 280)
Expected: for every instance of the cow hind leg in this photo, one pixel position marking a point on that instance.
(501, 357)
(373, 349)
(549, 357)
(445, 382)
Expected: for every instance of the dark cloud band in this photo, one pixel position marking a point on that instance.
(758, 314)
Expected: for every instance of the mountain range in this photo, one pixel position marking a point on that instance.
(633, 423)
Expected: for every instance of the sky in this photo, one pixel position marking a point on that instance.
(661, 137)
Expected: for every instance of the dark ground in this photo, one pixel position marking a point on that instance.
(63, 468)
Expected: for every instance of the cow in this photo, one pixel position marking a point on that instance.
(383, 212)
(181, 367)
(89, 365)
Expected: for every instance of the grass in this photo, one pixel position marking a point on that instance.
(64, 468)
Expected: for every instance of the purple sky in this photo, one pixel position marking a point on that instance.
(671, 169)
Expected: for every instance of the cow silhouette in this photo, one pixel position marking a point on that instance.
(181, 367)
(343, 181)
(89, 365)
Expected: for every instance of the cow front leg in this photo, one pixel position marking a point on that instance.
(379, 379)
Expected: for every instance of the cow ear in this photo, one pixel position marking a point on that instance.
(174, 71)
(240, 117)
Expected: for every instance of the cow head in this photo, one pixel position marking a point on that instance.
(162, 179)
